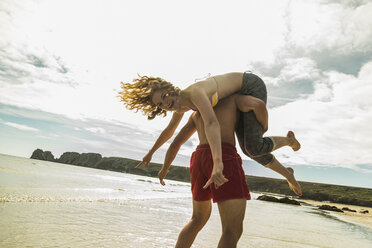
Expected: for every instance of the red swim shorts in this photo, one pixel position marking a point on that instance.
(201, 166)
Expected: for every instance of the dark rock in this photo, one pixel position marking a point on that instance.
(84, 159)
(41, 155)
(286, 200)
(48, 156)
(37, 154)
(107, 163)
(330, 208)
(267, 198)
(88, 159)
(69, 158)
(364, 211)
(348, 209)
(115, 163)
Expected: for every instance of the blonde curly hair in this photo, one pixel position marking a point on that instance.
(137, 95)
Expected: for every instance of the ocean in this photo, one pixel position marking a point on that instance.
(46, 204)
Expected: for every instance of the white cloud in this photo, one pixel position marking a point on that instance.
(333, 123)
(20, 127)
(298, 69)
(99, 130)
(343, 28)
(303, 49)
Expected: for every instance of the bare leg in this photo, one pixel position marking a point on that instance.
(232, 215)
(288, 173)
(290, 140)
(201, 213)
(293, 184)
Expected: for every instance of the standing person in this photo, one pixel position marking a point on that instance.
(155, 96)
(230, 197)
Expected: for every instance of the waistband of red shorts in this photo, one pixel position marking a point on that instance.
(226, 147)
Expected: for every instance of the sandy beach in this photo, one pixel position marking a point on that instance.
(44, 204)
(358, 218)
(354, 217)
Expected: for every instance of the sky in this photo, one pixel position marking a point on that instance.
(61, 64)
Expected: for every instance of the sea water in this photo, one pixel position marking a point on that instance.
(46, 204)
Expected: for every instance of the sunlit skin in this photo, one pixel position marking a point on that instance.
(196, 97)
(231, 211)
(172, 102)
(227, 124)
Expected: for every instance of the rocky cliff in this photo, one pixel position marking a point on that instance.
(41, 155)
(126, 165)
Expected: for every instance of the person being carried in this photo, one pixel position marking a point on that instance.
(155, 96)
(231, 196)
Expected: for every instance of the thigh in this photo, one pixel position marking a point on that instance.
(232, 212)
(253, 130)
(248, 131)
(198, 176)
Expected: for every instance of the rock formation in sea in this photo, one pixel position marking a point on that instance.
(41, 155)
(267, 198)
(285, 200)
(348, 209)
(330, 208)
(126, 165)
(84, 159)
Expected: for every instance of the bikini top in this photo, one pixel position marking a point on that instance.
(214, 98)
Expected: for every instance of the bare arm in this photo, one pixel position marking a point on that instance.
(185, 133)
(247, 103)
(213, 134)
(164, 136)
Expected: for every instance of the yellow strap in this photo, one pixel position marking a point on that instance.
(214, 99)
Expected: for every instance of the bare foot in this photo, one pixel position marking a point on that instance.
(293, 184)
(293, 141)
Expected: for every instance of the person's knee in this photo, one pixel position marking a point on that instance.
(253, 150)
(269, 162)
(229, 232)
(198, 221)
(234, 232)
(258, 147)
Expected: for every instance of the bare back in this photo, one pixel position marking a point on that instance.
(227, 114)
(225, 84)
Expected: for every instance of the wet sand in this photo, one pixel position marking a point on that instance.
(358, 218)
